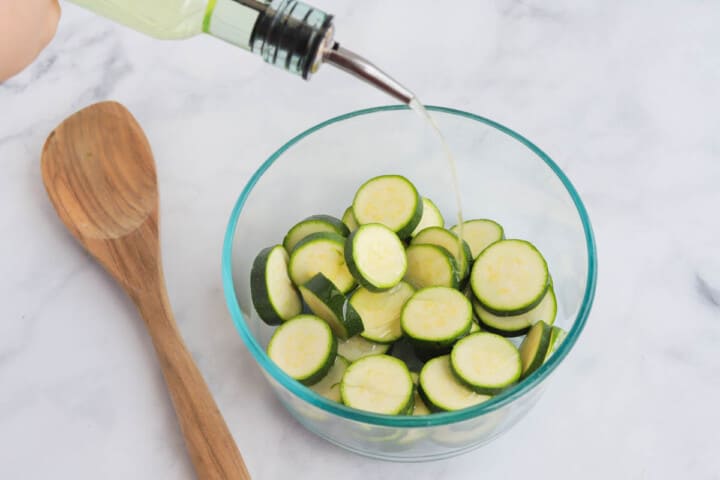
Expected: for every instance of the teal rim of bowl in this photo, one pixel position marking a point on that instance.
(436, 419)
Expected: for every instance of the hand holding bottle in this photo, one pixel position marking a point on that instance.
(26, 27)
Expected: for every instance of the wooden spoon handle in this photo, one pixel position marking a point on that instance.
(212, 449)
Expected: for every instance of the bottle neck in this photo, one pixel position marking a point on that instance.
(293, 36)
(289, 34)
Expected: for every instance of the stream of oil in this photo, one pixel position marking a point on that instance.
(420, 109)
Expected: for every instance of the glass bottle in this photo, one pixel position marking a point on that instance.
(287, 33)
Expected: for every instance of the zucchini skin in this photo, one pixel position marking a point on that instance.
(320, 374)
(339, 225)
(515, 332)
(511, 313)
(541, 351)
(428, 403)
(349, 220)
(503, 333)
(337, 303)
(336, 224)
(259, 292)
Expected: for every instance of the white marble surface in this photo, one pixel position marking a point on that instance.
(625, 96)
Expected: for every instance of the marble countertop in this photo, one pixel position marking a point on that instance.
(625, 96)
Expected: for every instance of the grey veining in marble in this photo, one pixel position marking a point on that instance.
(625, 96)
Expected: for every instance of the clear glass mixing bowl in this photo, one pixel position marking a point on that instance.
(502, 176)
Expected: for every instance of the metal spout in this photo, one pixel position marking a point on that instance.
(362, 68)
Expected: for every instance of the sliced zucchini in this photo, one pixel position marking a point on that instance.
(348, 219)
(411, 405)
(419, 407)
(314, 224)
(304, 347)
(450, 242)
(556, 338)
(379, 384)
(431, 217)
(391, 200)
(509, 277)
(474, 328)
(516, 325)
(329, 386)
(435, 317)
(430, 266)
(480, 234)
(380, 311)
(441, 390)
(357, 347)
(273, 294)
(486, 362)
(534, 347)
(328, 303)
(321, 252)
(375, 257)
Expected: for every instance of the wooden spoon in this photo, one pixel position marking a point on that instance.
(99, 172)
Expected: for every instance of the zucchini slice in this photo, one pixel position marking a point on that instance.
(321, 252)
(304, 347)
(379, 384)
(328, 303)
(380, 312)
(486, 362)
(516, 325)
(436, 317)
(348, 219)
(442, 391)
(431, 217)
(391, 200)
(474, 328)
(430, 266)
(419, 407)
(450, 242)
(314, 224)
(357, 347)
(556, 338)
(534, 347)
(375, 257)
(509, 277)
(273, 294)
(480, 234)
(329, 386)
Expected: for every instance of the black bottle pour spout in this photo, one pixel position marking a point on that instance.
(299, 38)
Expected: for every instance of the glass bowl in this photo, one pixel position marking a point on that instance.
(502, 176)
